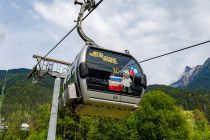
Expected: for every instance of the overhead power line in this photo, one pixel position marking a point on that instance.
(175, 51)
(97, 4)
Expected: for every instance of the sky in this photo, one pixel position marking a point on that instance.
(144, 27)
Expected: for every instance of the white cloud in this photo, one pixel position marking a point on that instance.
(2, 36)
(61, 12)
(16, 6)
(146, 28)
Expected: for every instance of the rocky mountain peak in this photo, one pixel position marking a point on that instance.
(188, 75)
(187, 69)
(195, 77)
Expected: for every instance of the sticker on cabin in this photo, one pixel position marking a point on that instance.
(126, 81)
(132, 73)
(116, 70)
(115, 83)
(103, 57)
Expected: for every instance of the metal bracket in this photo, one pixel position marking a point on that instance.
(86, 5)
(48, 66)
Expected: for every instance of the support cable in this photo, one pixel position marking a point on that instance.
(205, 42)
(72, 30)
(39, 61)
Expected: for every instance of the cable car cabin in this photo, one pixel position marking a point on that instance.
(103, 83)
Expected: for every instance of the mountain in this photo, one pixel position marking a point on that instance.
(2, 74)
(19, 71)
(23, 102)
(202, 80)
(188, 75)
(196, 78)
(22, 72)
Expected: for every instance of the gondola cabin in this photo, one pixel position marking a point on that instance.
(103, 83)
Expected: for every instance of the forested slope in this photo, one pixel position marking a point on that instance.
(188, 99)
(22, 103)
(159, 115)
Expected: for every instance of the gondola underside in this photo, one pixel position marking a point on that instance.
(96, 108)
(99, 108)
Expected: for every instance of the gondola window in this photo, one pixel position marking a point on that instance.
(113, 72)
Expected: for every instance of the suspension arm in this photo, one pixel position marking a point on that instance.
(90, 6)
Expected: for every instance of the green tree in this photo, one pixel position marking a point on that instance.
(202, 129)
(160, 118)
(39, 122)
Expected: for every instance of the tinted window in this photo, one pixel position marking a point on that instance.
(111, 62)
(114, 72)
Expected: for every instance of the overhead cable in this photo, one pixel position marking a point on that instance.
(152, 58)
(72, 29)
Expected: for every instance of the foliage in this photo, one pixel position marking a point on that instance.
(24, 96)
(189, 99)
(158, 116)
(202, 129)
(24, 102)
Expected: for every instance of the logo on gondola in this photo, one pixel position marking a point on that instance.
(104, 57)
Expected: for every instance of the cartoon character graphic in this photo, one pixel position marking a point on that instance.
(115, 82)
(126, 81)
(121, 80)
